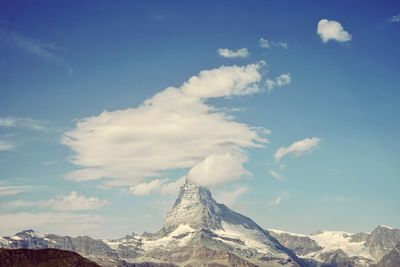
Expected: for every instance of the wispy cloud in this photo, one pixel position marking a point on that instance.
(277, 175)
(395, 19)
(74, 201)
(238, 53)
(24, 122)
(264, 43)
(332, 30)
(278, 199)
(71, 202)
(46, 51)
(298, 148)
(6, 190)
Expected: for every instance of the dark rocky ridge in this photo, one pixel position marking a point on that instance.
(42, 258)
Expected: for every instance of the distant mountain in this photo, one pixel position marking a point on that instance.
(335, 248)
(198, 231)
(42, 258)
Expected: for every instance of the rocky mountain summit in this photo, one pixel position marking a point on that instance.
(198, 231)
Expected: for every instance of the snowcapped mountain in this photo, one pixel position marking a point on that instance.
(336, 248)
(198, 231)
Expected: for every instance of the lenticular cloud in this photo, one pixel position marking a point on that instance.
(175, 129)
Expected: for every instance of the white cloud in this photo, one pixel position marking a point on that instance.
(217, 169)
(298, 148)
(238, 53)
(264, 43)
(74, 201)
(332, 30)
(175, 129)
(277, 175)
(281, 80)
(172, 188)
(146, 188)
(278, 199)
(230, 197)
(395, 19)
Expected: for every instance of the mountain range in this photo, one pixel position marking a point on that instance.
(198, 231)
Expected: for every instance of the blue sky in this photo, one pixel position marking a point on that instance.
(327, 100)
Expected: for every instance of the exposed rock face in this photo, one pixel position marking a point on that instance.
(42, 258)
(336, 258)
(382, 240)
(299, 244)
(392, 259)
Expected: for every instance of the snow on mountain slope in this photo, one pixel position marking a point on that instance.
(355, 249)
(334, 240)
(177, 238)
(250, 238)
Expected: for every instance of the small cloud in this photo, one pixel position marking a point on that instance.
(298, 148)
(277, 175)
(7, 190)
(26, 122)
(281, 44)
(238, 53)
(332, 30)
(395, 19)
(278, 199)
(281, 80)
(74, 201)
(264, 43)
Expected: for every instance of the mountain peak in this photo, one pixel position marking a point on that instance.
(192, 192)
(194, 207)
